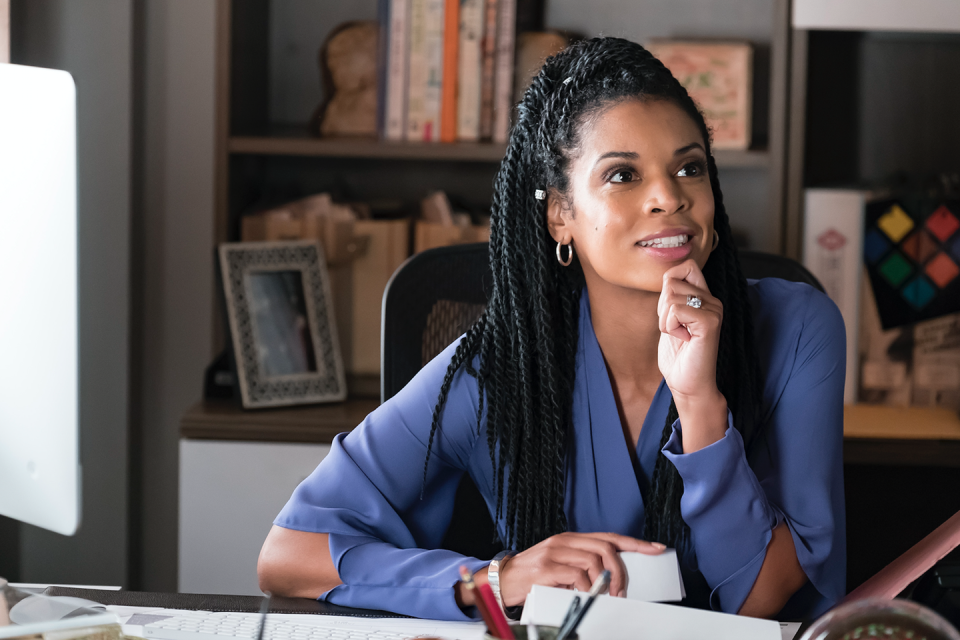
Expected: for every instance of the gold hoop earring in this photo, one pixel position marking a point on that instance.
(716, 241)
(569, 254)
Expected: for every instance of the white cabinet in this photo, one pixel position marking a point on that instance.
(230, 492)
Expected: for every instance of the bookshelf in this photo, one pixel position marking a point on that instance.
(252, 152)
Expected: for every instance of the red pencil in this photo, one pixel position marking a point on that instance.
(502, 626)
(488, 620)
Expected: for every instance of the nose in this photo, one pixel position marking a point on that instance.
(663, 195)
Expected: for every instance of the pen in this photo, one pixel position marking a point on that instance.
(263, 615)
(467, 578)
(501, 626)
(571, 611)
(599, 585)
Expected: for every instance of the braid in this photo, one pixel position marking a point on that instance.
(526, 339)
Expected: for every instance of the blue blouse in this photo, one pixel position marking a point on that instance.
(383, 536)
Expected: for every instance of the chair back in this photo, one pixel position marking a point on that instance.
(756, 265)
(430, 301)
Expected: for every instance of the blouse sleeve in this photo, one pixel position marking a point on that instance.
(368, 495)
(795, 473)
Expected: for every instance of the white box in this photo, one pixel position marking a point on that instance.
(833, 252)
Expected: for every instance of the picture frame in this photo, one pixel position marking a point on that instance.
(283, 331)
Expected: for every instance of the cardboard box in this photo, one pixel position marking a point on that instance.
(832, 251)
(361, 256)
(428, 235)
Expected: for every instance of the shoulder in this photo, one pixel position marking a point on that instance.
(795, 326)
(793, 307)
(424, 388)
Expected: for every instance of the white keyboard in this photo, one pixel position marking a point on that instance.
(206, 625)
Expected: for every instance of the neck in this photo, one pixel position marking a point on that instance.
(626, 324)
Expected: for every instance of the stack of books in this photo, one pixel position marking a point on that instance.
(447, 69)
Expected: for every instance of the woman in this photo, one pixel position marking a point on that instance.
(625, 388)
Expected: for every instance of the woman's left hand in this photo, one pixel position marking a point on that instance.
(689, 341)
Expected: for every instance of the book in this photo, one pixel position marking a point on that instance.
(832, 250)
(469, 73)
(417, 71)
(451, 69)
(395, 97)
(433, 37)
(503, 73)
(383, 51)
(719, 78)
(487, 68)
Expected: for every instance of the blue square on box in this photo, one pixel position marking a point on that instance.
(919, 292)
(955, 247)
(875, 245)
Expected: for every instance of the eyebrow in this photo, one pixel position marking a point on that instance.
(633, 155)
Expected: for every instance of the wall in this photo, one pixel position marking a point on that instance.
(175, 258)
(92, 39)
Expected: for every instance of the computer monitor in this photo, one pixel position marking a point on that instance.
(39, 452)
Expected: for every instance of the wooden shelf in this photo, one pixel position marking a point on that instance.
(872, 435)
(225, 420)
(366, 148)
(751, 158)
(912, 436)
(896, 423)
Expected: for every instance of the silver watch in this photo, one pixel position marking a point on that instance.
(493, 578)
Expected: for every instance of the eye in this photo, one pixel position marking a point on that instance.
(621, 175)
(692, 170)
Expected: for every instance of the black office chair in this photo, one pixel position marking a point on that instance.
(431, 300)
(756, 265)
(428, 303)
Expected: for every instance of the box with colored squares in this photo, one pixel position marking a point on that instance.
(911, 247)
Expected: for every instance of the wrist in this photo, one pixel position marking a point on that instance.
(468, 597)
(494, 579)
(703, 417)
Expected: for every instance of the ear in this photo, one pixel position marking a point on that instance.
(558, 218)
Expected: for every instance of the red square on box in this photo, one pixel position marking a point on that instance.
(942, 270)
(919, 246)
(943, 223)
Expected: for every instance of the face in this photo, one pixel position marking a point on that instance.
(639, 199)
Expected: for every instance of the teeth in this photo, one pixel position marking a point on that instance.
(666, 243)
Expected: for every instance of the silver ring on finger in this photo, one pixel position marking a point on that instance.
(694, 301)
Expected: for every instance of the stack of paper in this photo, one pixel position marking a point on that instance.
(623, 619)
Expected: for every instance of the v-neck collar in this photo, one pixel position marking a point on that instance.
(599, 435)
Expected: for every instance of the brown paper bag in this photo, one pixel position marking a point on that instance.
(428, 235)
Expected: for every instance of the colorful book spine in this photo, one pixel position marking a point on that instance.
(469, 76)
(417, 71)
(451, 69)
(487, 74)
(434, 61)
(503, 83)
(395, 93)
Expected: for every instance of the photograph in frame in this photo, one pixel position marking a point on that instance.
(282, 328)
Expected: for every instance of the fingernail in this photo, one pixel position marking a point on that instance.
(659, 545)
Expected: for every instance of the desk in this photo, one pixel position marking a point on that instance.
(201, 602)
(913, 436)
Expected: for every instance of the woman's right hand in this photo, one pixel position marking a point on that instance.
(570, 560)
